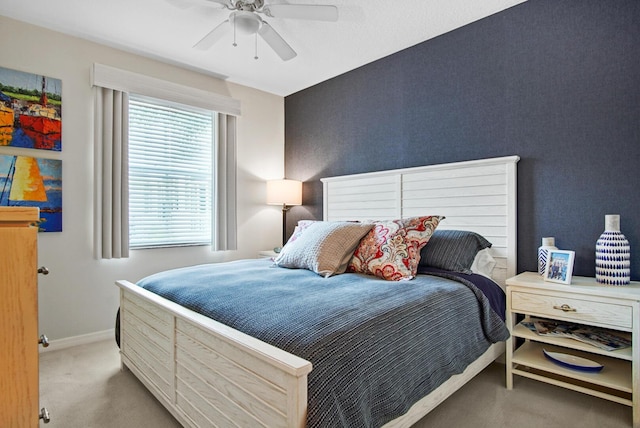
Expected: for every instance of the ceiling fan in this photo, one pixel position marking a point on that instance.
(245, 19)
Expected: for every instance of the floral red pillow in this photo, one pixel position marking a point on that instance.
(391, 250)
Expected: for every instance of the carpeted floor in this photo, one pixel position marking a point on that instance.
(83, 387)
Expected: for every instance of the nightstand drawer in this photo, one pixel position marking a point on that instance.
(573, 309)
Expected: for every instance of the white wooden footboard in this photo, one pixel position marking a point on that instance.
(205, 373)
(209, 375)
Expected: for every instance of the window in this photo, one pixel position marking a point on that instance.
(184, 120)
(170, 173)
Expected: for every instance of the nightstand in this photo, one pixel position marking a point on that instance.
(267, 254)
(583, 302)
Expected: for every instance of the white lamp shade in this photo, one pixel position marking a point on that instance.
(284, 192)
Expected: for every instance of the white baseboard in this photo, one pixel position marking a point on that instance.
(83, 339)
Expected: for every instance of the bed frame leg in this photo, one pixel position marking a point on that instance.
(123, 366)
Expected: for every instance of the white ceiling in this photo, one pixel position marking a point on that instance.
(366, 31)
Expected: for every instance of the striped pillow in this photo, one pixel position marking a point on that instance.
(453, 250)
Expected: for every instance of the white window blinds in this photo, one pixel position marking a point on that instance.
(170, 173)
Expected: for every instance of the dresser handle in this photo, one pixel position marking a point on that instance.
(44, 341)
(565, 308)
(44, 415)
(43, 270)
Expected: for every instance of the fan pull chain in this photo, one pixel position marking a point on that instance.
(256, 56)
(234, 34)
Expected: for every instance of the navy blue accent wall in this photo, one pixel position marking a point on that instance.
(555, 82)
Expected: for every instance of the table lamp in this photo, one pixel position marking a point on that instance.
(285, 193)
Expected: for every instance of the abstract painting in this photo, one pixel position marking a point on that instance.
(30, 110)
(33, 182)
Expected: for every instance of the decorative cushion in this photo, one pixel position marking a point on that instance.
(323, 247)
(453, 250)
(391, 250)
(300, 227)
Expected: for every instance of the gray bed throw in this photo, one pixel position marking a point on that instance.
(376, 346)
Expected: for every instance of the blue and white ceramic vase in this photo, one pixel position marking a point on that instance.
(613, 254)
(543, 253)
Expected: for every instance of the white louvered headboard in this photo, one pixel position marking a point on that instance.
(477, 195)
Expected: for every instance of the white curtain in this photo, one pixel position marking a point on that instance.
(225, 218)
(111, 128)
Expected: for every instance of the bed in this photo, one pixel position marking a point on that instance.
(207, 373)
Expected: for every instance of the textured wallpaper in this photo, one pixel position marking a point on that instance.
(553, 82)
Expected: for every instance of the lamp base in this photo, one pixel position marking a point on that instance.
(285, 208)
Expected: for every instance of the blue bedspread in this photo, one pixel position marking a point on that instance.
(376, 346)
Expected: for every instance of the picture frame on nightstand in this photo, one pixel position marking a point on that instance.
(559, 266)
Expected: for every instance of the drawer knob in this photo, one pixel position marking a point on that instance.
(44, 415)
(44, 341)
(43, 270)
(565, 308)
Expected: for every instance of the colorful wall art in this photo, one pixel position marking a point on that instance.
(33, 182)
(30, 110)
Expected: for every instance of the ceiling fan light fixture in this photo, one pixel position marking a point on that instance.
(245, 20)
(247, 23)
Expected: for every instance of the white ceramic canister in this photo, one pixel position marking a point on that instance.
(548, 243)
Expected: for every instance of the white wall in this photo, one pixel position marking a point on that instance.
(79, 297)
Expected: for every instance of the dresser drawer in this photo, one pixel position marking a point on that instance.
(573, 309)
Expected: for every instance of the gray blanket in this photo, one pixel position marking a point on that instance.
(376, 346)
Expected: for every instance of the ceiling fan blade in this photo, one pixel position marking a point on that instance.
(276, 42)
(225, 3)
(180, 4)
(303, 11)
(212, 37)
(188, 4)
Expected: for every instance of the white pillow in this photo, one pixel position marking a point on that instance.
(325, 247)
(483, 263)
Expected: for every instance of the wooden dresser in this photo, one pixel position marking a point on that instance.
(19, 401)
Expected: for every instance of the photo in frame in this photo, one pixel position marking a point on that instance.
(559, 266)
